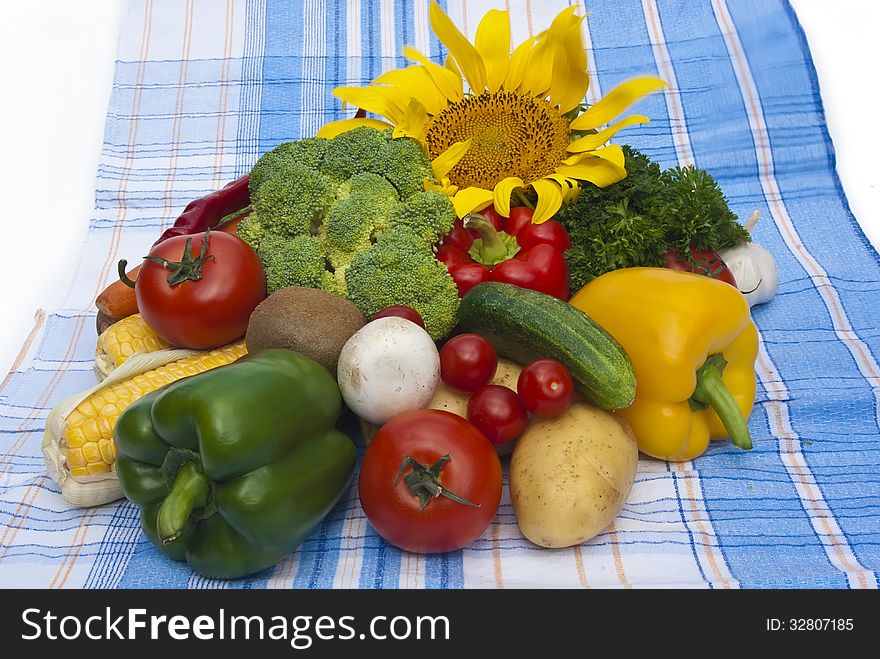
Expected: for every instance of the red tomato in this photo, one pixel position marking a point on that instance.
(407, 514)
(401, 311)
(209, 308)
(549, 232)
(545, 387)
(467, 362)
(520, 217)
(706, 262)
(498, 413)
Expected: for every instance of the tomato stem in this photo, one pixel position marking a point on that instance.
(188, 268)
(424, 482)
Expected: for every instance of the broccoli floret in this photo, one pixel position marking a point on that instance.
(355, 151)
(292, 204)
(354, 222)
(295, 262)
(308, 153)
(429, 214)
(406, 165)
(250, 230)
(400, 268)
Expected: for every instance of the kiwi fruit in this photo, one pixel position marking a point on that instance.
(306, 320)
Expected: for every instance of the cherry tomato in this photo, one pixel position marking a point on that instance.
(706, 262)
(549, 232)
(520, 217)
(401, 311)
(417, 517)
(467, 362)
(545, 387)
(498, 413)
(198, 291)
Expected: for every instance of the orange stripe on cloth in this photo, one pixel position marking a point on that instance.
(579, 566)
(496, 555)
(618, 558)
(224, 93)
(39, 320)
(76, 544)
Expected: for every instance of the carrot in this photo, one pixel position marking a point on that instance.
(118, 300)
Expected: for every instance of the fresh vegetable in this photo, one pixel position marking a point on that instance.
(208, 211)
(320, 207)
(232, 469)
(498, 413)
(430, 482)
(545, 388)
(78, 442)
(570, 475)
(705, 262)
(388, 367)
(400, 311)
(123, 339)
(401, 269)
(467, 362)
(635, 221)
(525, 325)
(693, 345)
(306, 320)
(199, 291)
(498, 256)
(753, 267)
(118, 299)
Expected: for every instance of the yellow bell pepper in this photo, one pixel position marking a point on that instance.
(693, 344)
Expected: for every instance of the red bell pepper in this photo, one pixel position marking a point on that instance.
(521, 253)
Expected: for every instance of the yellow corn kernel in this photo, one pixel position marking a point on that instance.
(87, 433)
(126, 337)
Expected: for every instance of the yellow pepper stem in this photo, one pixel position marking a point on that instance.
(190, 491)
(712, 392)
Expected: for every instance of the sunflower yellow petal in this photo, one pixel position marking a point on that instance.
(443, 164)
(595, 170)
(569, 186)
(539, 71)
(549, 199)
(569, 82)
(493, 44)
(471, 200)
(334, 128)
(590, 142)
(415, 81)
(388, 102)
(518, 61)
(466, 56)
(502, 192)
(413, 123)
(448, 82)
(450, 64)
(615, 102)
(613, 153)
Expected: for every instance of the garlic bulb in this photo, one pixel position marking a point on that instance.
(754, 269)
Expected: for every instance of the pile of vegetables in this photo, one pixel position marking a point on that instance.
(336, 279)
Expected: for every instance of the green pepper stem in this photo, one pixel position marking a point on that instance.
(712, 391)
(493, 246)
(189, 492)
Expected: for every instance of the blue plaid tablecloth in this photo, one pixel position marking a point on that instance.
(202, 88)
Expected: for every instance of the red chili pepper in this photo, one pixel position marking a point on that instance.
(535, 262)
(206, 212)
(703, 262)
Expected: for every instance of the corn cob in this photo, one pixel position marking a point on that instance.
(123, 339)
(87, 431)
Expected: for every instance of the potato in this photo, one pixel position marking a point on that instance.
(445, 398)
(569, 476)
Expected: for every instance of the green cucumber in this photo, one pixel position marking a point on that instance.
(525, 325)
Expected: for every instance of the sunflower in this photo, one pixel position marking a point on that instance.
(520, 125)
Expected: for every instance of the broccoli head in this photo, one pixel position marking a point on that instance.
(292, 203)
(295, 261)
(353, 223)
(400, 268)
(308, 153)
(429, 214)
(406, 165)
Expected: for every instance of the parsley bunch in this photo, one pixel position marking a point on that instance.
(635, 221)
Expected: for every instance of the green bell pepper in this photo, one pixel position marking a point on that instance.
(234, 467)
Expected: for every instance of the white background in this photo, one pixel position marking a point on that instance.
(56, 69)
